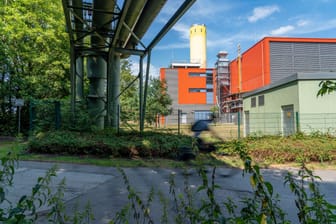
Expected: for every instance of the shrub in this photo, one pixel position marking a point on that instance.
(125, 144)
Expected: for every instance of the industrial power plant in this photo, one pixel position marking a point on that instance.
(240, 85)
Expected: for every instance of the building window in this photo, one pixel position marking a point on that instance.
(202, 115)
(209, 97)
(253, 102)
(197, 90)
(209, 78)
(196, 74)
(261, 100)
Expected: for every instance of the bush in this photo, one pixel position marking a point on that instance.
(126, 144)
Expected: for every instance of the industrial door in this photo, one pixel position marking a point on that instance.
(183, 118)
(288, 120)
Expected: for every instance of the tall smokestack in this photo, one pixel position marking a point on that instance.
(198, 44)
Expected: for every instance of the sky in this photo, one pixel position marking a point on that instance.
(240, 22)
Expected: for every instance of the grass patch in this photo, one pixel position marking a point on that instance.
(275, 150)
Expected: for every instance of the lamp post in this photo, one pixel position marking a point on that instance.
(19, 103)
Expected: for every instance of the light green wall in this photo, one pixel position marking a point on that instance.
(310, 103)
(274, 99)
(267, 119)
(315, 113)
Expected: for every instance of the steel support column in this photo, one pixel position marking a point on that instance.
(142, 121)
(141, 115)
(113, 89)
(73, 84)
(79, 71)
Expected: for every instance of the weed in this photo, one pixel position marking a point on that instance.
(26, 209)
(262, 207)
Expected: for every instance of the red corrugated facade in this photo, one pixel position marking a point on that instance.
(255, 63)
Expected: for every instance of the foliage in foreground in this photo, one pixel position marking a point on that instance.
(262, 207)
(186, 206)
(43, 194)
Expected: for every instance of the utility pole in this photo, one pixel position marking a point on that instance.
(239, 70)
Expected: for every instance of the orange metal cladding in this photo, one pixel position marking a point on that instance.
(185, 82)
(255, 71)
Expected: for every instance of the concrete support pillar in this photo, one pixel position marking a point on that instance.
(97, 68)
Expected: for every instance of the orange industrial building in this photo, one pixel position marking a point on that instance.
(192, 89)
(275, 58)
(192, 86)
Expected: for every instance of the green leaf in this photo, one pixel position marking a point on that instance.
(269, 188)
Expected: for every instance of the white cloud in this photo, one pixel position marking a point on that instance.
(172, 46)
(207, 9)
(153, 71)
(262, 12)
(304, 27)
(302, 23)
(282, 30)
(182, 29)
(318, 26)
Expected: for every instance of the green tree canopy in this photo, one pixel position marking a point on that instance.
(158, 100)
(34, 55)
(34, 49)
(129, 98)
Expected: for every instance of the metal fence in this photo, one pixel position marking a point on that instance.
(317, 123)
(288, 124)
(52, 115)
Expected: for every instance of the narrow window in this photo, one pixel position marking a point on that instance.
(197, 90)
(261, 100)
(253, 102)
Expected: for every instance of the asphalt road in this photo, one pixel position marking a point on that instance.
(105, 190)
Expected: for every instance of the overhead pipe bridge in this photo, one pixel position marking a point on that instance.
(101, 33)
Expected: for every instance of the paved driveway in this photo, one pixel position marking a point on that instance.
(104, 187)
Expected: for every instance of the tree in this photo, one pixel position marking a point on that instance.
(158, 100)
(129, 98)
(34, 53)
(34, 48)
(327, 87)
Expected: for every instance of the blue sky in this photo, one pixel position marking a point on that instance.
(243, 22)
